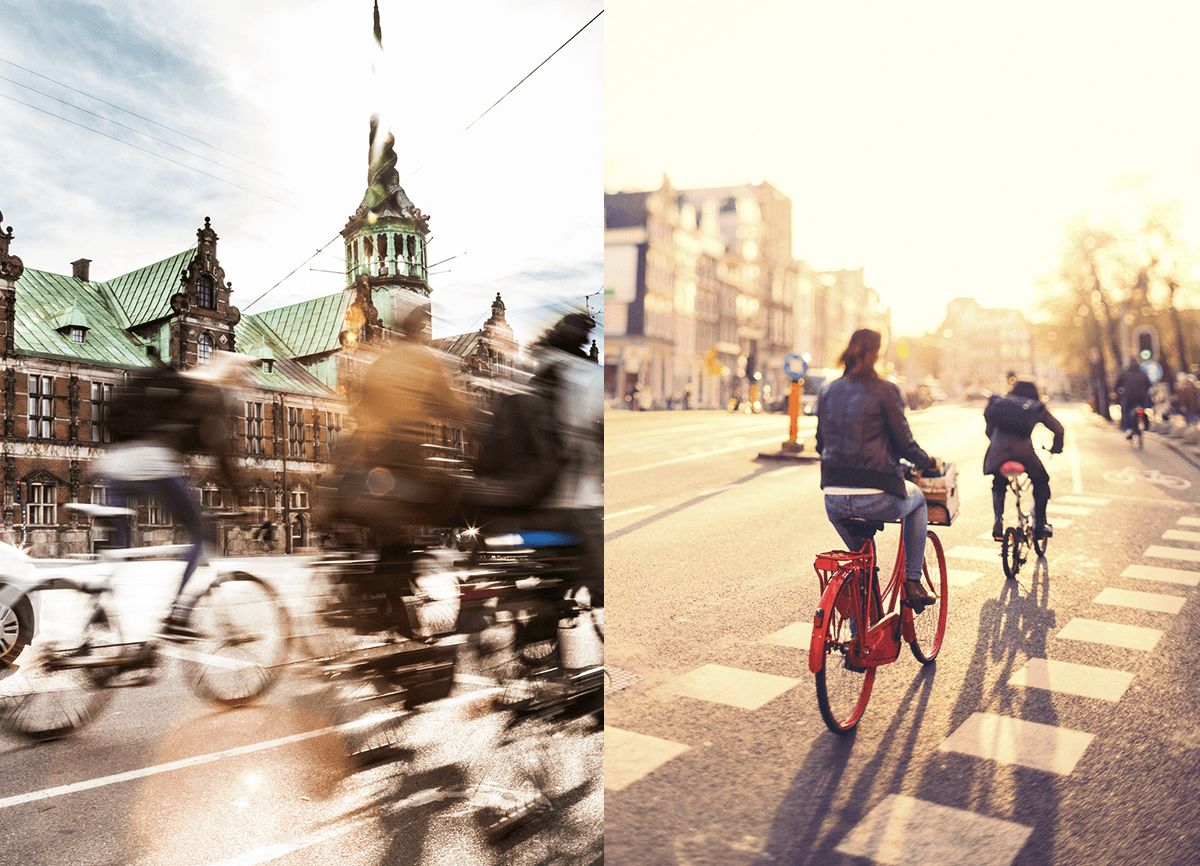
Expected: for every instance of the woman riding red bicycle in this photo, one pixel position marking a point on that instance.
(861, 435)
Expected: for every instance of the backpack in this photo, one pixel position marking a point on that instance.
(1012, 415)
(523, 453)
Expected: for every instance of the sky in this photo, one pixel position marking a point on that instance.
(125, 124)
(942, 146)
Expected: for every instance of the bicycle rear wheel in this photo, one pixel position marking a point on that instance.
(64, 685)
(245, 639)
(929, 626)
(1013, 553)
(1040, 543)
(842, 690)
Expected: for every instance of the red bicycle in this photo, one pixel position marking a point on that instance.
(854, 633)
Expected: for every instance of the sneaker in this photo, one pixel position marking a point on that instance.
(1043, 531)
(998, 529)
(176, 628)
(914, 592)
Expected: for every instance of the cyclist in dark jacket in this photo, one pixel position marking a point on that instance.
(1133, 390)
(1006, 445)
(861, 435)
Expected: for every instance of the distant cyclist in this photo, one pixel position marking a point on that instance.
(1133, 390)
(861, 435)
(1009, 423)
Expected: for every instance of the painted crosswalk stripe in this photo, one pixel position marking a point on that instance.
(1076, 499)
(1111, 633)
(629, 757)
(797, 635)
(905, 831)
(1058, 523)
(982, 554)
(1189, 521)
(1141, 600)
(957, 577)
(1077, 510)
(1179, 553)
(1016, 741)
(1071, 679)
(1180, 535)
(734, 687)
(1165, 575)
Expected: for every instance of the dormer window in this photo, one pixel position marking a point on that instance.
(204, 292)
(77, 333)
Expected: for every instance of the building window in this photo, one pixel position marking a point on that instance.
(76, 334)
(299, 500)
(41, 407)
(333, 426)
(204, 292)
(254, 428)
(41, 507)
(295, 432)
(204, 349)
(101, 399)
(257, 499)
(210, 496)
(156, 515)
(101, 495)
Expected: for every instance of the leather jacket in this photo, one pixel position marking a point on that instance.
(862, 434)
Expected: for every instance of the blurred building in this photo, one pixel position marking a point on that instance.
(67, 342)
(704, 299)
(979, 347)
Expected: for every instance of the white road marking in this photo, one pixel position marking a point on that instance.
(1074, 499)
(1077, 510)
(1111, 634)
(956, 577)
(1180, 535)
(1141, 600)
(1016, 741)
(1173, 553)
(1165, 575)
(735, 687)
(745, 446)
(1189, 521)
(905, 831)
(629, 757)
(628, 511)
(981, 554)
(1076, 473)
(1071, 679)
(797, 635)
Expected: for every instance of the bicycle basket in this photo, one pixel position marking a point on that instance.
(941, 495)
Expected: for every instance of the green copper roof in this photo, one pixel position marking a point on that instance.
(145, 294)
(46, 302)
(310, 327)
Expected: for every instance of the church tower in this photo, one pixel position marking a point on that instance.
(385, 242)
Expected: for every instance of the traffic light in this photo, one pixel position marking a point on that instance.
(1145, 343)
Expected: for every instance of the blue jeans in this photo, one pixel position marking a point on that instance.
(910, 511)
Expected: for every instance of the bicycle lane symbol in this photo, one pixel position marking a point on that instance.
(1132, 473)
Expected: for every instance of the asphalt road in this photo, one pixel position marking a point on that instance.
(162, 777)
(1057, 726)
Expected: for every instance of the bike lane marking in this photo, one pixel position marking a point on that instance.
(1180, 535)
(1015, 741)
(1180, 553)
(1189, 521)
(735, 687)
(1072, 679)
(1111, 634)
(629, 756)
(1163, 575)
(1152, 601)
(905, 831)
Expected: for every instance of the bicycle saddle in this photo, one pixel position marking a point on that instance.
(861, 527)
(1012, 467)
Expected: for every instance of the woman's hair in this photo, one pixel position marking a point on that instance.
(861, 354)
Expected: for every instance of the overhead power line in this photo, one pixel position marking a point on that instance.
(139, 117)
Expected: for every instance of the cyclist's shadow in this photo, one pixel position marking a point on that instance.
(820, 807)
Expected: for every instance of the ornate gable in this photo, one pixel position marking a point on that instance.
(204, 319)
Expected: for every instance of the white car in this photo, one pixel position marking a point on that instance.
(17, 577)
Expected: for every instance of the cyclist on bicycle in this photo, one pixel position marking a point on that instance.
(861, 435)
(1133, 390)
(1013, 441)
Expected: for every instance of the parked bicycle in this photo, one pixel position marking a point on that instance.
(1019, 539)
(79, 651)
(858, 627)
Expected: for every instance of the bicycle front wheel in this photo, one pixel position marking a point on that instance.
(63, 687)
(245, 637)
(1013, 553)
(842, 689)
(929, 626)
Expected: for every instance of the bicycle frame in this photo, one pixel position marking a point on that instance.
(879, 643)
